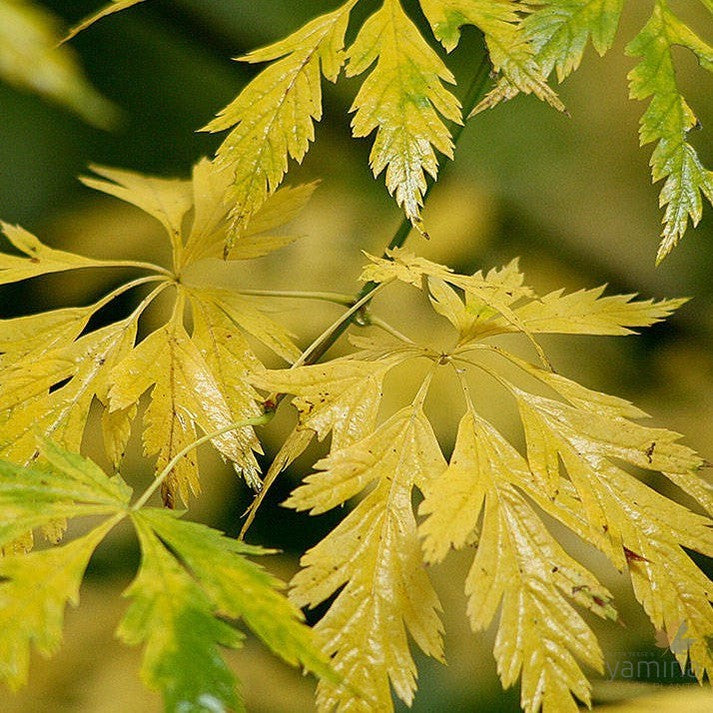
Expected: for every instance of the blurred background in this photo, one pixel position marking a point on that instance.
(570, 195)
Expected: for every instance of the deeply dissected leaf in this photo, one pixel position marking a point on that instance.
(643, 530)
(54, 366)
(178, 624)
(518, 566)
(401, 99)
(272, 118)
(31, 59)
(184, 394)
(578, 443)
(559, 31)
(35, 400)
(375, 556)
(63, 486)
(192, 586)
(511, 53)
(499, 301)
(237, 588)
(669, 118)
(207, 237)
(341, 397)
(34, 591)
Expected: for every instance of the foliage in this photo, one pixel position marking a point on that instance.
(193, 584)
(374, 554)
(54, 368)
(583, 455)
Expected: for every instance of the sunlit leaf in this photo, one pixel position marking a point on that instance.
(272, 118)
(374, 554)
(34, 591)
(668, 119)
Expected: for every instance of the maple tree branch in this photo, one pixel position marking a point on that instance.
(389, 329)
(327, 337)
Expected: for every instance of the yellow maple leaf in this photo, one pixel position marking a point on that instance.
(272, 118)
(579, 445)
(376, 555)
(53, 369)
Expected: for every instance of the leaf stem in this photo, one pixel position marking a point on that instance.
(334, 297)
(149, 299)
(128, 286)
(386, 327)
(327, 337)
(257, 421)
(139, 264)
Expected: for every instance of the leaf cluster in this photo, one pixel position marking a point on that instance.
(193, 585)
(56, 366)
(581, 447)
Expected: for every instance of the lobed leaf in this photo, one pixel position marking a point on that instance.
(184, 394)
(64, 485)
(668, 119)
(375, 556)
(178, 624)
(403, 100)
(49, 390)
(239, 589)
(341, 397)
(34, 591)
(53, 368)
(511, 52)
(518, 567)
(272, 117)
(559, 31)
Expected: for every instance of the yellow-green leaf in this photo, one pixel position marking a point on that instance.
(668, 119)
(272, 117)
(403, 99)
(178, 625)
(31, 59)
(374, 554)
(559, 31)
(240, 589)
(510, 51)
(34, 591)
(63, 485)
